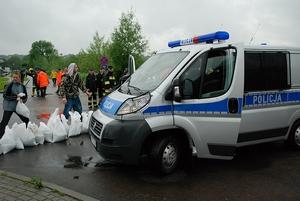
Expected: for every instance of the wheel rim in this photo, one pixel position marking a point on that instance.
(297, 136)
(169, 156)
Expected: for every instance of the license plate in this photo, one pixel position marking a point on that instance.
(93, 141)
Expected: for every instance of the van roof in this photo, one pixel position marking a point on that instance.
(199, 47)
(270, 48)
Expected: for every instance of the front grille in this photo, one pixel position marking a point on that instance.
(107, 141)
(96, 127)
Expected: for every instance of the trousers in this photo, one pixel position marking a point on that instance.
(5, 119)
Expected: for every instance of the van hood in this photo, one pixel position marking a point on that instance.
(112, 102)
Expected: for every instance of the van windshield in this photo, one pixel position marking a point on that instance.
(151, 73)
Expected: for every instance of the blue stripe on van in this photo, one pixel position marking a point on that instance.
(158, 109)
(271, 98)
(219, 106)
(109, 105)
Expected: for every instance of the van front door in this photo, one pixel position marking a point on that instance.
(211, 93)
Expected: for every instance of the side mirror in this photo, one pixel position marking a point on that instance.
(176, 94)
(173, 93)
(176, 90)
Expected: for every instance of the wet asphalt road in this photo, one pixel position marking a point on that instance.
(262, 172)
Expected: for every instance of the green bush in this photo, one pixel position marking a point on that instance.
(3, 82)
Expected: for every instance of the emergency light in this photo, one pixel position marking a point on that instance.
(208, 38)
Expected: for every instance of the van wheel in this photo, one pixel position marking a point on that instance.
(165, 154)
(294, 135)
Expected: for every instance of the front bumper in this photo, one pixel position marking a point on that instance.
(121, 141)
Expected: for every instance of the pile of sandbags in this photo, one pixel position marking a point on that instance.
(57, 129)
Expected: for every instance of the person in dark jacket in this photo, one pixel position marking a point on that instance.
(100, 77)
(109, 81)
(91, 85)
(23, 75)
(11, 96)
(32, 73)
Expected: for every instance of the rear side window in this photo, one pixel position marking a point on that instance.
(265, 71)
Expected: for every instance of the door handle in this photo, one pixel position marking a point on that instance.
(233, 105)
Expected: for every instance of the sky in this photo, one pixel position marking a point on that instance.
(71, 24)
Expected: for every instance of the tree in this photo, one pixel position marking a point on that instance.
(89, 58)
(99, 46)
(42, 53)
(65, 60)
(127, 40)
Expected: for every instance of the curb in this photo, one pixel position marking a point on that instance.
(52, 186)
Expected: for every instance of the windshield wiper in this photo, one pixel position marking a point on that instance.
(133, 87)
(136, 88)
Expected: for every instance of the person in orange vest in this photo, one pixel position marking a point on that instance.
(43, 82)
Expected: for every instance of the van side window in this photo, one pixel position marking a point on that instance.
(218, 72)
(265, 71)
(190, 80)
(210, 74)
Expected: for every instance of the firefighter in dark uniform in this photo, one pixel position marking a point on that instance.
(91, 85)
(32, 73)
(100, 77)
(109, 81)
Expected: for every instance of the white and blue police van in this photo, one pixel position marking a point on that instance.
(202, 96)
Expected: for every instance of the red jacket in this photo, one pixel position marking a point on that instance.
(42, 79)
(59, 78)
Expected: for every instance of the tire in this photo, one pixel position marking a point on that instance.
(166, 154)
(294, 136)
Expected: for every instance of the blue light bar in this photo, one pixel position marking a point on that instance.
(208, 38)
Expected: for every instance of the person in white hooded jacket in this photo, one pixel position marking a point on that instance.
(71, 84)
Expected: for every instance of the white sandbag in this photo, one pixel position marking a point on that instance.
(90, 113)
(22, 109)
(19, 143)
(76, 124)
(86, 117)
(51, 121)
(65, 123)
(7, 142)
(25, 134)
(85, 122)
(39, 136)
(30, 138)
(89, 116)
(45, 130)
(33, 127)
(59, 131)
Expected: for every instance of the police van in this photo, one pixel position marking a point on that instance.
(202, 96)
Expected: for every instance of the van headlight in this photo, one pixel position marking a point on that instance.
(132, 105)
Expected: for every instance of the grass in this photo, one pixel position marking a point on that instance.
(3, 174)
(37, 183)
(3, 82)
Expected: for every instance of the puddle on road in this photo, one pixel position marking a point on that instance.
(177, 176)
(79, 162)
(73, 162)
(144, 174)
